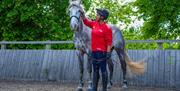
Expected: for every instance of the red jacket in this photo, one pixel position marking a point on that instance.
(101, 35)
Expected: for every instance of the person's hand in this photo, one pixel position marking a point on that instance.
(89, 54)
(108, 55)
(82, 14)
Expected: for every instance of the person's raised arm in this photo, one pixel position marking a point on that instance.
(86, 21)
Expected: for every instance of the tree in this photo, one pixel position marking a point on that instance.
(25, 20)
(34, 20)
(40, 20)
(162, 18)
(166, 27)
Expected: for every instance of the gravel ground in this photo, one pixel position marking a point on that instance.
(56, 86)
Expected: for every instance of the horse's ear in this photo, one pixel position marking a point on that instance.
(79, 2)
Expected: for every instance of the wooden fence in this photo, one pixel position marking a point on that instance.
(163, 66)
(49, 43)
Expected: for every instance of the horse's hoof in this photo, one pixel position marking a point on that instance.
(89, 89)
(109, 85)
(79, 89)
(124, 86)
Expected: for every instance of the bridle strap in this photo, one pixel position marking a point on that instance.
(78, 18)
(75, 17)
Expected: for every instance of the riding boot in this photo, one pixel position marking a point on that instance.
(104, 81)
(95, 80)
(124, 84)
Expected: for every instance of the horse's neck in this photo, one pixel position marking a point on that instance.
(78, 35)
(84, 33)
(82, 38)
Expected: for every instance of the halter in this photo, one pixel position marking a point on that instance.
(78, 18)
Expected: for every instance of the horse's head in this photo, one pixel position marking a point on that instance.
(74, 11)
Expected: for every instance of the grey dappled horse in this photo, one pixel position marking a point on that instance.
(82, 41)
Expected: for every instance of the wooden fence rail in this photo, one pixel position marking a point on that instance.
(48, 43)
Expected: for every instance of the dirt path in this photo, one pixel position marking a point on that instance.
(55, 86)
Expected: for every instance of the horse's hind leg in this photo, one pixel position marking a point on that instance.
(80, 55)
(89, 68)
(121, 55)
(111, 69)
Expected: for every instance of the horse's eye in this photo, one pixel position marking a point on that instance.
(79, 10)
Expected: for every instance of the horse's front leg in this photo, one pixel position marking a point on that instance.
(89, 68)
(111, 69)
(80, 55)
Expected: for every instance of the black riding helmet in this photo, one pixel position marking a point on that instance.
(103, 12)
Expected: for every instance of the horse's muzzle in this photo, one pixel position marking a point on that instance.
(74, 24)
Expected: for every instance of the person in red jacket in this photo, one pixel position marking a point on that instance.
(101, 44)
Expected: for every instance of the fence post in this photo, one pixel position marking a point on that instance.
(48, 46)
(3, 46)
(160, 45)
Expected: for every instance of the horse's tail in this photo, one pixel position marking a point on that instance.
(136, 68)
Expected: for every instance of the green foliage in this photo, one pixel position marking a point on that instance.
(34, 20)
(118, 12)
(87, 4)
(162, 18)
(41, 20)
